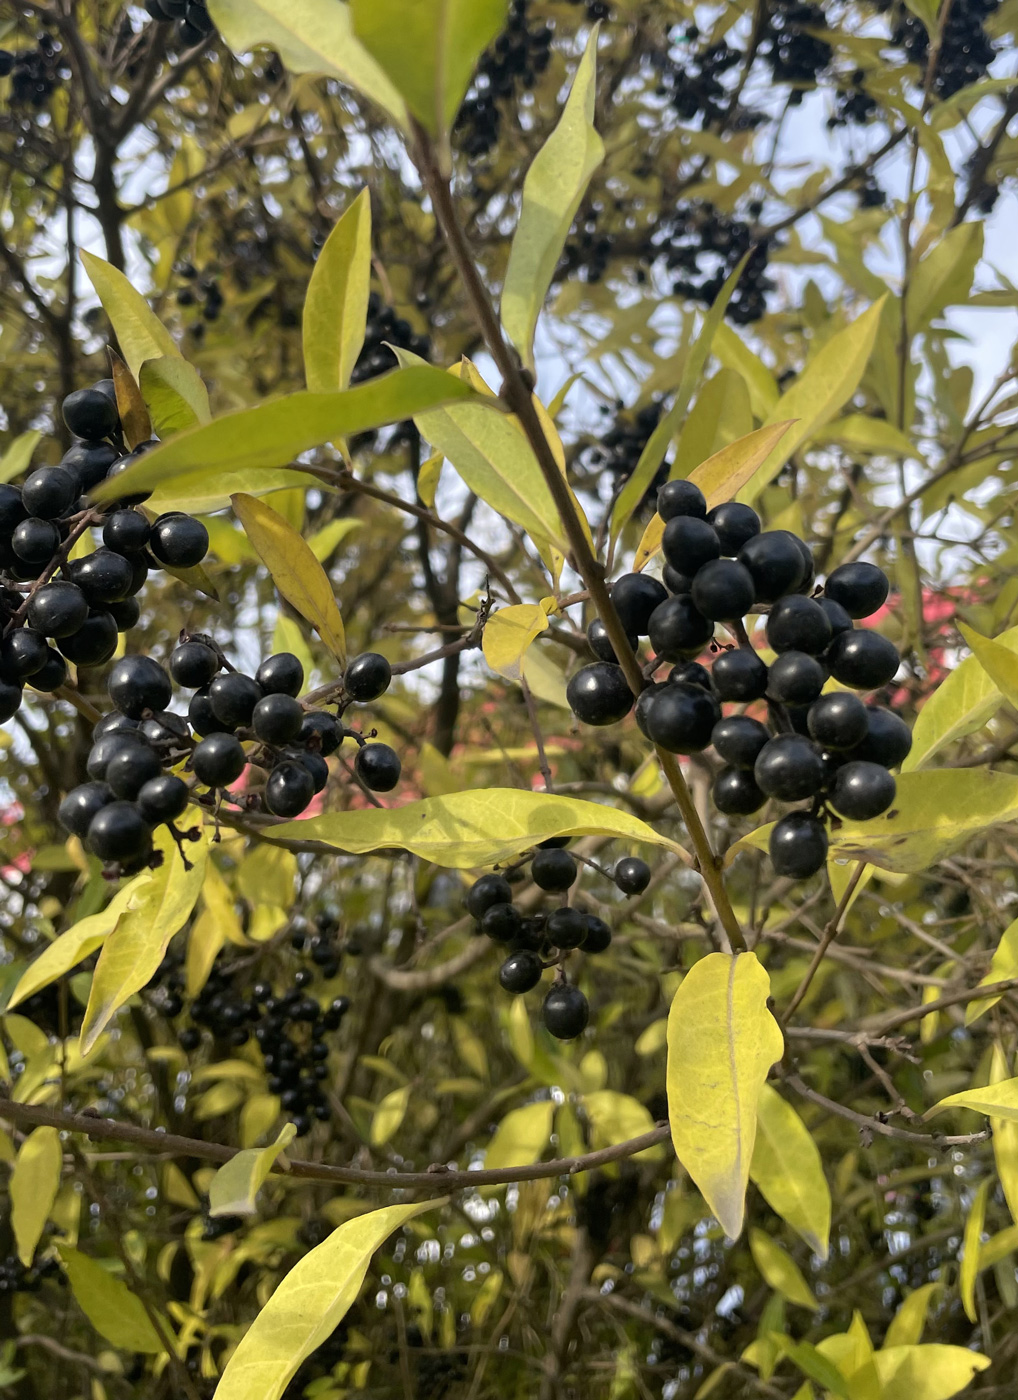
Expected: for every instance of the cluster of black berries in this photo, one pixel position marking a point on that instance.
(619, 447)
(826, 748)
(16, 1278)
(34, 72)
(700, 246)
(79, 604)
(853, 106)
(545, 939)
(130, 792)
(792, 53)
(966, 51)
(692, 85)
(516, 59)
(384, 328)
(199, 290)
(191, 20)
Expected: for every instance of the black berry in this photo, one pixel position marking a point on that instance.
(635, 596)
(681, 498)
(795, 678)
(735, 524)
(863, 660)
(520, 972)
(789, 768)
(631, 875)
(736, 794)
(838, 720)
(798, 624)
(89, 414)
(775, 561)
(723, 590)
(798, 846)
(565, 1012)
(738, 740)
(277, 719)
(193, 664)
(860, 588)
(378, 767)
(118, 832)
(553, 870)
(288, 789)
(861, 791)
(58, 609)
(488, 890)
(281, 674)
(137, 684)
(367, 677)
(739, 675)
(599, 694)
(179, 541)
(219, 760)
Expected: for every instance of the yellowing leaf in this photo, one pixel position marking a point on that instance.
(389, 1115)
(944, 276)
(971, 1244)
(427, 478)
(825, 385)
(18, 455)
(735, 354)
(507, 635)
(324, 542)
(552, 191)
(907, 1325)
(999, 662)
(1005, 1138)
(521, 1137)
(615, 1117)
(309, 1303)
(927, 1372)
(134, 420)
(336, 306)
(719, 478)
(961, 704)
(467, 829)
(314, 36)
(294, 570)
(998, 1100)
(115, 1312)
(174, 393)
(275, 432)
(1003, 964)
(788, 1171)
(237, 1183)
(429, 49)
(133, 951)
(780, 1271)
(34, 1184)
(722, 1041)
(140, 333)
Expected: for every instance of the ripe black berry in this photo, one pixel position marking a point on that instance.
(51, 674)
(838, 720)
(738, 739)
(367, 677)
(104, 749)
(76, 811)
(795, 678)
(798, 846)
(94, 642)
(723, 590)
(115, 723)
(861, 791)
(277, 719)
(598, 937)
(89, 461)
(119, 832)
(567, 927)
(675, 581)
(35, 541)
(502, 922)
(49, 492)
(233, 697)
(219, 760)
(888, 739)
(193, 664)
(288, 789)
(631, 875)
(488, 890)
(789, 768)
(776, 563)
(281, 674)
(836, 616)
(798, 624)
(89, 414)
(321, 730)
(679, 629)
(520, 972)
(681, 498)
(12, 509)
(643, 704)
(553, 870)
(860, 588)
(863, 660)
(180, 541)
(689, 543)
(126, 613)
(635, 597)
(133, 765)
(11, 697)
(736, 794)
(162, 799)
(694, 674)
(378, 767)
(739, 675)
(600, 643)
(313, 762)
(126, 532)
(599, 694)
(681, 717)
(565, 1012)
(22, 654)
(735, 524)
(137, 684)
(57, 609)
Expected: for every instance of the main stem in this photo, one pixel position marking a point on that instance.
(518, 394)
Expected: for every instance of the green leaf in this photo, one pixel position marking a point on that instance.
(236, 1184)
(429, 49)
(34, 1184)
(111, 1307)
(616, 1117)
(944, 276)
(313, 36)
(661, 438)
(508, 634)
(324, 542)
(998, 1100)
(928, 1372)
(1003, 964)
(552, 191)
(522, 1136)
(788, 1171)
(294, 570)
(863, 434)
(971, 1244)
(999, 662)
(306, 1307)
(733, 353)
(907, 1325)
(133, 951)
(275, 432)
(175, 395)
(140, 333)
(336, 306)
(17, 457)
(1005, 1140)
(780, 1271)
(824, 387)
(198, 493)
(722, 1041)
(389, 1115)
(959, 706)
(467, 829)
(811, 1362)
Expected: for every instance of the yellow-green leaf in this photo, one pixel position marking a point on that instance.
(34, 1184)
(824, 387)
(429, 49)
(336, 306)
(275, 432)
(467, 829)
(427, 478)
(961, 704)
(719, 478)
(175, 395)
(615, 1117)
(1005, 1138)
(944, 276)
(735, 354)
(926, 1372)
(236, 1184)
(507, 635)
(115, 1312)
(17, 457)
(313, 36)
(521, 1137)
(552, 191)
(998, 1100)
(133, 951)
(197, 493)
(780, 1271)
(812, 1362)
(389, 1116)
(999, 662)
(788, 1171)
(294, 570)
(324, 542)
(135, 422)
(868, 435)
(907, 1325)
(971, 1244)
(722, 1041)
(1003, 964)
(307, 1306)
(140, 333)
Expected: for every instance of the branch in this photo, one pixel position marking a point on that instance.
(877, 1125)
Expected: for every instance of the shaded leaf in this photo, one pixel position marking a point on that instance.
(111, 1307)
(336, 305)
(140, 334)
(788, 1171)
(944, 276)
(1005, 1139)
(134, 417)
(18, 455)
(33, 1188)
(971, 1244)
(389, 1115)
(960, 705)
(780, 1271)
(522, 1136)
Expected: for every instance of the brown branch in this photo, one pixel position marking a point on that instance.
(830, 934)
(877, 1125)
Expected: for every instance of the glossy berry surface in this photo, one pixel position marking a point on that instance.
(126, 532)
(693, 674)
(795, 678)
(233, 697)
(288, 789)
(798, 846)
(735, 792)
(520, 972)
(681, 717)
(554, 870)
(600, 643)
(739, 675)
(502, 922)
(860, 588)
(775, 562)
(566, 1012)
(796, 623)
(681, 498)
(218, 760)
(789, 767)
(861, 791)
(838, 720)
(49, 492)
(281, 674)
(488, 890)
(320, 731)
(57, 609)
(367, 677)
(137, 684)
(193, 664)
(162, 799)
(89, 414)
(378, 767)
(94, 642)
(118, 832)
(180, 541)
(888, 739)
(599, 694)
(631, 875)
(277, 719)
(104, 576)
(566, 928)
(635, 596)
(598, 936)
(723, 590)
(689, 543)
(679, 629)
(863, 660)
(22, 654)
(133, 765)
(76, 811)
(738, 740)
(735, 524)
(35, 541)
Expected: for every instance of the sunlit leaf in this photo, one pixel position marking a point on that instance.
(944, 276)
(1005, 1139)
(971, 1244)
(521, 1137)
(175, 395)
(906, 1327)
(236, 1184)
(140, 334)
(336, 305)
(389, 1116)
(999, 1100)
(18, 455)
(508, 634)
(788, 1171)
(926, 1372)
(33, 1188)
(780, 1271)
(961, 704)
